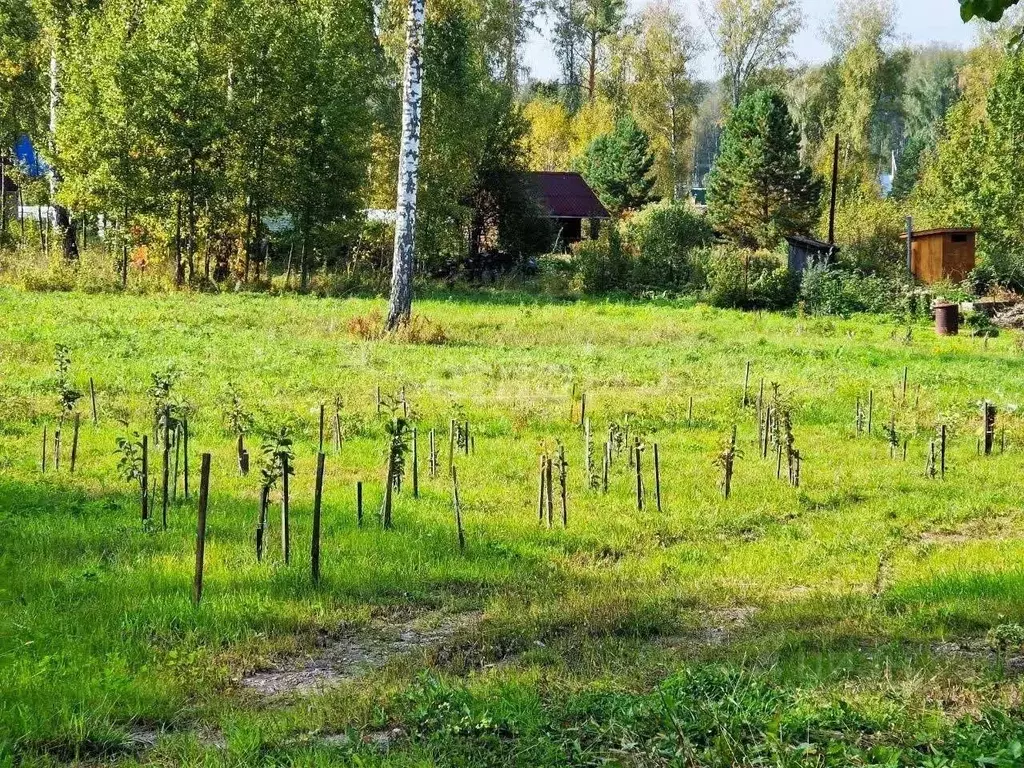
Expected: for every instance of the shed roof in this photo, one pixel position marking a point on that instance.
(809, 243)
(567, 196)
(946, 231)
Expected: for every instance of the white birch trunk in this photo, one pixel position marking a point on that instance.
(61, 217)
(400, 307)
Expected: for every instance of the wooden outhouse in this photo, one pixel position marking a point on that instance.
(942, 254)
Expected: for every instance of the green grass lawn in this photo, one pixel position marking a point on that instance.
(839, 623)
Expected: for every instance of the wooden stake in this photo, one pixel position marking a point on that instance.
(204, 498)
(92, 393)
(871, 409)
(540, 493)
(359, 503)
(389, 484)
(550, 491)
(451, 445)
(318, 492)
(433, 455)
(74, 441)
(583, 408)
(746, 385)
(689, 413)
(56, 450)
(166, 467)
(321, 440)
(261, 525)
(415, 465)
(657, 477)
(639, 479)
(562, 485)
(378, 399)
(942, 451)
(286, 533)
(607, 465)
(145, 477)
(184, 450)
(468, 439)
(458, 510)
(906, 373)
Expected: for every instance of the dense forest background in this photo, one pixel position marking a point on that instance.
(210, 136)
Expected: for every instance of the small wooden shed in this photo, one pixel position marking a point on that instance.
(806, 252)
(942, 254)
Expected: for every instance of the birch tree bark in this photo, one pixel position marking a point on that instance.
(400, 306)
(62, 222)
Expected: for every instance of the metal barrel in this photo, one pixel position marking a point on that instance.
(947, 319)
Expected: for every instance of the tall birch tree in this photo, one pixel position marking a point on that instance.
(400, 306)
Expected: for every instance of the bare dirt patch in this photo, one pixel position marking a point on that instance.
(717, 627)
(355, 655)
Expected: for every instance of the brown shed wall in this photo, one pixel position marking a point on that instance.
(943, 255)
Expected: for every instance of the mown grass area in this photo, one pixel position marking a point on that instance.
(785, 626)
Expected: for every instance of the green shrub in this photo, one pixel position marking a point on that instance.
(742, 279)
(845, 292)
(600, 265)
(660, 240)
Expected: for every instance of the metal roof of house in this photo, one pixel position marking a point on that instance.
(567, 196)
(942, 231)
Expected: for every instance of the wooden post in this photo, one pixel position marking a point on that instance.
(657, 477)
(562, 485)
(204, 498)
(540, 494)
(56, 449)
(74, 441)
(906, 373)
(145, 477)
(639, 480)
(467, 437)
(359, 503)
(433, 455)
(318, 491)
(746, 385)
(583, 408)
(286, 543)
(321, 440)
(607, 465)
(458, 510)
(166, 466)
(550, 491)
(45, 439)
(378, 399)
(942, 452)
(415, 465)
(261, 526)
(689, 413)
(184, 450)
(385, 510)
(910, 245)
(177, 462)
(989, 413)
(871, 409)
(588, 450)
(92, 393)
(835, 189)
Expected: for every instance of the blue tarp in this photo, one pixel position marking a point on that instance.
(27, 157)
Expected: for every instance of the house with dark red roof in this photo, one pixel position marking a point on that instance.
(568, 201)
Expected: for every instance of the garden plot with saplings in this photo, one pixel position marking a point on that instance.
(242, 530)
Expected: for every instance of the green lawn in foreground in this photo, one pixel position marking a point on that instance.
(597, 644)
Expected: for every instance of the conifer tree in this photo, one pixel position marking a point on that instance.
(618, 166)
(759, 190)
